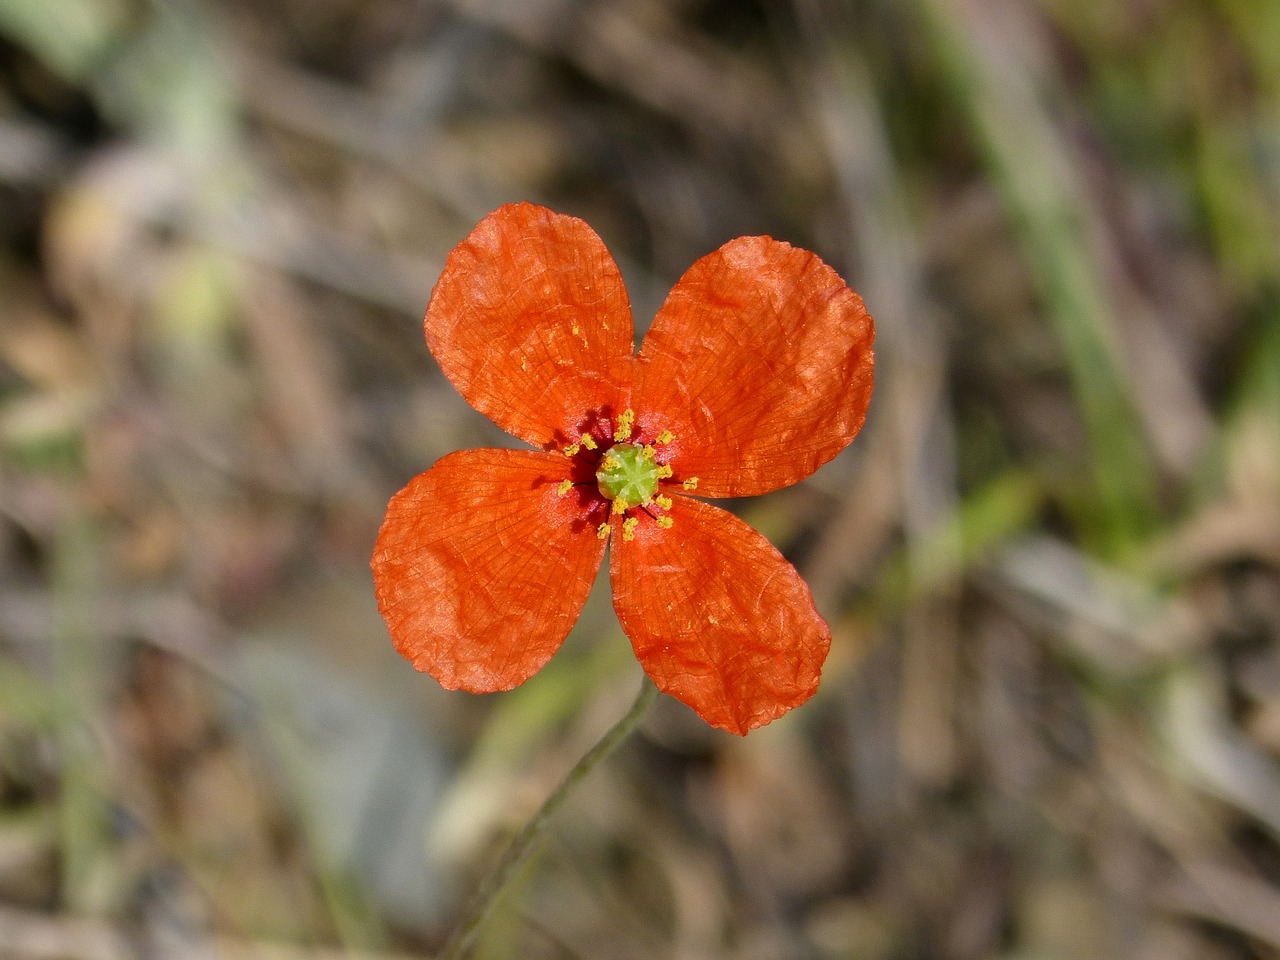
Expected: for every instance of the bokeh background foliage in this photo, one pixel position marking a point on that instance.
(1050, 725)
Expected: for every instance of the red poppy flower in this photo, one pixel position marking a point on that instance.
(757, 370)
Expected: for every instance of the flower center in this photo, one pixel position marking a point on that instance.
(628, 475)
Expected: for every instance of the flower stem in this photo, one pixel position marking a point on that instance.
(522, 844)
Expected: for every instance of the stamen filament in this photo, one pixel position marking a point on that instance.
(626, 420)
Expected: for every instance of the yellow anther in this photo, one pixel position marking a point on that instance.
(664, 472)
(666, 436)
(691, 483)
(626, 420)
(572, 450)
(610, 462)
(663, 501)
(602, 531)
(620, 505)
(664, 522)
(629, 528)
(565, 487)
(648, 452)
(588, 441)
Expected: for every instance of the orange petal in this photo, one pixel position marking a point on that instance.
(481, 568)
(531, 323)
(760, 364)
(718, 618)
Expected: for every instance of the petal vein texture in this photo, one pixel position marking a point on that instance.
(760, 362)
(718, 617)
(481, 568)
(531, 323)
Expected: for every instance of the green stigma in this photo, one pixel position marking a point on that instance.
(628, 475)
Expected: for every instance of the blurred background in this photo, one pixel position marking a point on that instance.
(1050, 724)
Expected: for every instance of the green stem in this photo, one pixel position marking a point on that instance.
(522, 844)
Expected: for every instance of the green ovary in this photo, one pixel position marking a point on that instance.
(628, 475)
